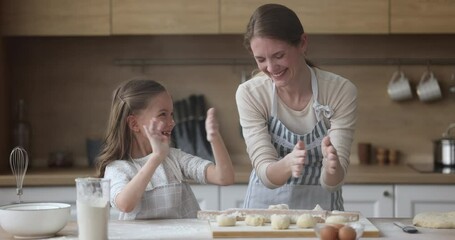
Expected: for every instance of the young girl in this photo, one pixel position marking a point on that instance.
(147, 176)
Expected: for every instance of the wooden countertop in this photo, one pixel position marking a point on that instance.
(160, 229)
(357, 174)
(48, 177)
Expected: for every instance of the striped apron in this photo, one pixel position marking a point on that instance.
(304, 192)
(173, 200)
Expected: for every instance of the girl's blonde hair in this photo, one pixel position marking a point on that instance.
(129, 98)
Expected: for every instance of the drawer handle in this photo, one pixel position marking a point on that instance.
(386, 194)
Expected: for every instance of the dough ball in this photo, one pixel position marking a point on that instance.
(294, 219)
(225, 220)
(306, 221)
(254, 220)
(336, 219)
(279, 206)
(280, 221)
(434, 220)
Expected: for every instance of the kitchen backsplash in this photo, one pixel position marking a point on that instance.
(67, 84)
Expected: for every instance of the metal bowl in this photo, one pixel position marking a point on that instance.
(34, 220)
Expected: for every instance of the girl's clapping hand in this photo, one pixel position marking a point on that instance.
(157, 136)
(211, 125)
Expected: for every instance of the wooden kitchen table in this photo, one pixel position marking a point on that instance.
(199, 229)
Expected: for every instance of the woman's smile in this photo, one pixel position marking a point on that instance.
(278, 74)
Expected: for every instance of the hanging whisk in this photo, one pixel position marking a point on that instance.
(18, 161)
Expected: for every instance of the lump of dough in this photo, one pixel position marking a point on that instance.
(434, 220)
(294, 219)
(306, 221)
(280, 221)
(336, 219)
(279, 206)
(225, 220)
(254, 220)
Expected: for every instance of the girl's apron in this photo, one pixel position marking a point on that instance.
(304, 192)
(173, 200)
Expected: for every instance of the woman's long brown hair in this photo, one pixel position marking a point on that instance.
(277, 22)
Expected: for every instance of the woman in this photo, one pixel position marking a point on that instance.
(148, 178)
(298, 121)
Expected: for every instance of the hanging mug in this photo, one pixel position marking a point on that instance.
(428, 88)
(399, 88)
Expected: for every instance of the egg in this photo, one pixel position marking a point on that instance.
(337, 225)
(328, 233)
(346, 233)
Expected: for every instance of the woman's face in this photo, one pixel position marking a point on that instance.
(160, 107)
(281, 61)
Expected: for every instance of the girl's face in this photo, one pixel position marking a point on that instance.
(281, 61)
(160, 107)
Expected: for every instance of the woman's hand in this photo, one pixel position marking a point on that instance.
(330, 154)
(158, 141)
(211, 125)
(297, 158)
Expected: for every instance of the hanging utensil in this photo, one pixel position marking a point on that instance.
(18, 160)
(180, 132)
(203, 147)
(452, 84)
(444, 149)
(188, 128)
(192, 121)
(176, 132)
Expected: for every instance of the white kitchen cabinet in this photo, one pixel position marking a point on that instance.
(212, 197)
(207, 196)
(370, 200)
(232, 196)
(413, 199)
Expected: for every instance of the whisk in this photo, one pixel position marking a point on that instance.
(18, 161)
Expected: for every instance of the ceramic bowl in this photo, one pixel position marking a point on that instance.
(319, 228)
(34, 220)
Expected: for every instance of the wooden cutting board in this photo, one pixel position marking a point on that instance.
(240, 230)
